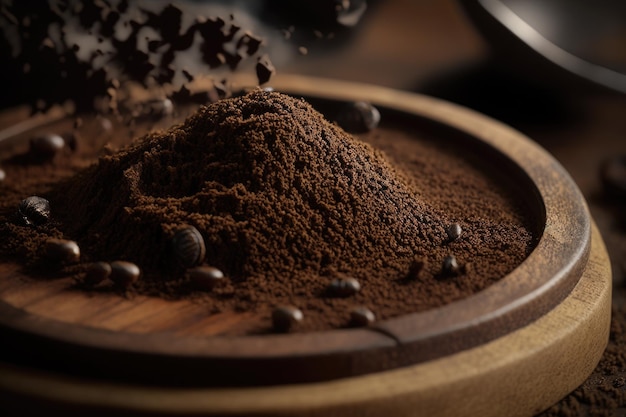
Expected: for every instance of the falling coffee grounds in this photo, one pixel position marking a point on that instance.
(290, 210)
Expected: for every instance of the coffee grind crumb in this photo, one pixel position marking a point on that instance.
(286, 203)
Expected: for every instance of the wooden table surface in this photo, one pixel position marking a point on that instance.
(431, 47)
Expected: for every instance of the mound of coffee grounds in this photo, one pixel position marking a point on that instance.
(288, 204)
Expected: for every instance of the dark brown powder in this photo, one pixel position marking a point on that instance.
(286, 203)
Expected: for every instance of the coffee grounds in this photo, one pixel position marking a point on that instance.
(286, 203)
(603, 394)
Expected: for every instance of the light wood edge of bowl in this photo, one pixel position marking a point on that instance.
(519, 374)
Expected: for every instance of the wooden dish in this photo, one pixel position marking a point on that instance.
(551, 312)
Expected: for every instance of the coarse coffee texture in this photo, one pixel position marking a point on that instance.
(286, 202)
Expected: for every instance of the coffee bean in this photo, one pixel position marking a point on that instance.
(34, 210)
(344, 287)
(159, 108)
(62, 251)
(284, 318)
(361, 316)
(358, 117)
(46, 146)
(97, 272)
(450, 266)
(124, 273)
(188, 247)
(454, 232)
(264, 69)
(613, 176)
(205, 277)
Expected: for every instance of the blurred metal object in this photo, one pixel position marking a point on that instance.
(585, 38)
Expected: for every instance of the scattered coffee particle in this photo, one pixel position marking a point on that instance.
(188, 246)
(361, 316)
(350, 12)
(613, 176)
(358, 117)
(97, 272)
(344, 287)
(303, 50)
(71, 140)
(450, 266)
(62, 251)
(264, 69)
(158, 108)
(46, 146)
(205, 277)
(285, 318)
(124, 273)
(415, 269)
(454, 232)
(34, 210)
(3, 175)
(105, 124)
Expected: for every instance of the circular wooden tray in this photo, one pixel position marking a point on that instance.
(153, 341)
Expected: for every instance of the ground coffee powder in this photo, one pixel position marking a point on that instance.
(286, 202)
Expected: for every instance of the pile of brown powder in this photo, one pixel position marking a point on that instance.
(285, 202)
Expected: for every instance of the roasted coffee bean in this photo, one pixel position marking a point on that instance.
(285, 318)
(450, 266)
(264, 69)
(62, 251)
(159, 108)
(358, 117)
(454, 232)
(124, 273)
(613, 176)
(344, 287)
(188, 246)
(34, 210)
(46, 146)
(205, 277)
(97, 272)
(361, 316)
